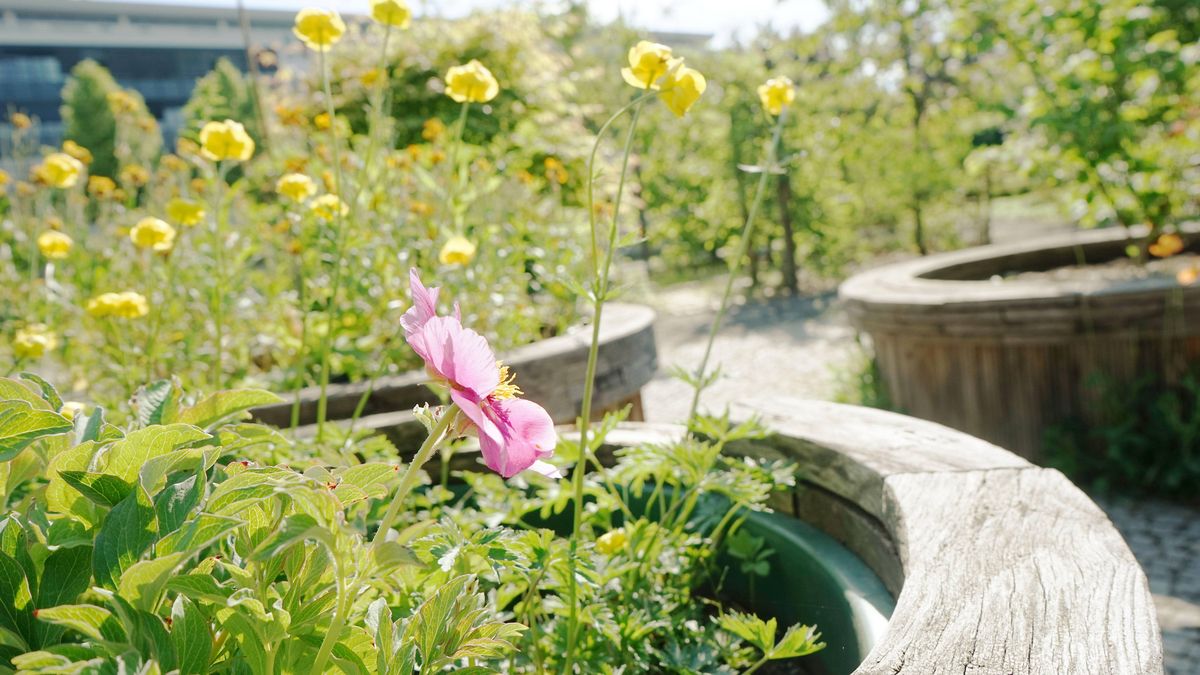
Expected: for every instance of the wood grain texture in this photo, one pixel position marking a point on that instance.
(1003, 567)
(549, 371)
(1005, 361)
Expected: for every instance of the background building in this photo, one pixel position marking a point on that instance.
(159, 50)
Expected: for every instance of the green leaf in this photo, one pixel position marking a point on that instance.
(750, 628)
(192, 636)
(22, 424)
(372, 479)
(91, 621)
(175, 503)
(390, 555)
(103, 489)
(294, 528)
(199, 587)
(222, 405)
(88, 427)
(145, 580)
(11, 389)
(197, 533)
(156, 403)
(126, 457)
(798, 641)
(66, 574)
(61, 497)
(16, 599)
(128, 531)
(49, 393)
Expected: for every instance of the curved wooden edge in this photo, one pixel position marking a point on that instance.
(549, 371)
(1006, 567)
(942, 294)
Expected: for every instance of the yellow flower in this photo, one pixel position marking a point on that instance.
(471, 83)
(555, 171)
(186, 146)
(126, 305)
(21, 120)
(296, 187)
(101, 187)
(4, 178)
(391, 13)
(370, 77)
(328, 207)
(174, 163)
(185, 212)
(322, 122)
(122, 102)
(1188, 275)
(153, 233)
(420, 208)
(54, 245)
(432, 129)
(457, 251)
(1166, 246)
(681, 88)
(25, 189)
(612, 542)
(226, 140)
(648, 61)
(319, 29)
(70, 409)
(60, 170)
(34, 340)
(776, 94)
(134, 175)
(77, 151)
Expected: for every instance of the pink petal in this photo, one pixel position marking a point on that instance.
(424, 305)
(528, 435)
(458, 355)
(546, 469)
(470, 407)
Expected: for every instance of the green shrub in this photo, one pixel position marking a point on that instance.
(87, 118)
(224, 93)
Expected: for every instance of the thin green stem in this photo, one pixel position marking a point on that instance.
(435, 439)
(756, 666)
(767, 168)
(339, 249)
(218, 293)
(600, 288)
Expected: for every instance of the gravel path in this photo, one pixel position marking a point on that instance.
(796, 346)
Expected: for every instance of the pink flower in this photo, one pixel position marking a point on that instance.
(514, 434)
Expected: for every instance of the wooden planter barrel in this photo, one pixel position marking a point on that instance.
(549, 371)
(1004, 360)
(997, 566)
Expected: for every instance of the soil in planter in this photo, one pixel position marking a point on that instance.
(1125, 271)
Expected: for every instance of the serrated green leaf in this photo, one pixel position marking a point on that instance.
(223, 405)
(750, 628)
(91, 621)
(192, 636)
(798, 641)
(102, 489)
(128, 531)
(22, 424)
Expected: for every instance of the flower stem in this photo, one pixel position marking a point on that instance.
(768, 167)
(600, 288)
(339, 249)
(218, 299)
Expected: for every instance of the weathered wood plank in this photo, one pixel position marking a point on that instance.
(549, 371)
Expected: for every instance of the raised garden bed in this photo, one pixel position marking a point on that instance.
(996, 565)
(548, 371)
(962, 341)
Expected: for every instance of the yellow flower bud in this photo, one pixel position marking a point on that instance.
(154, 234)
(776, 94)
(122, 102)
(296, 187)
(33, 341)
(471, 83)
(681, 88)
(648, 61)
(185, 212)
(1166, 246)
(226, 140)
(60, 170)
(391, 13)
(612, 542)
(322, 122)
(54, 245)
(134, 175)
(77, 151)
(5, 179)
(319, 29)
(432, 129)
(457, 251)
(20, 121)
(70, 409)
(327, 207)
